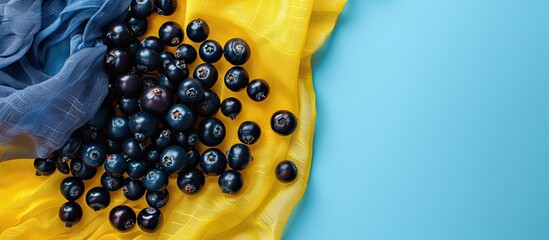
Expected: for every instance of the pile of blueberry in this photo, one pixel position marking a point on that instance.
(148, 124)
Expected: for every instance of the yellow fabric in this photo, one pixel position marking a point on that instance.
(283, 35)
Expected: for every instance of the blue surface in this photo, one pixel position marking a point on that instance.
(433, 123)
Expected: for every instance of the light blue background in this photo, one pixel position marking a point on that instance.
(433, 123)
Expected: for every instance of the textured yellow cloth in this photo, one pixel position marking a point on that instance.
(283, 35)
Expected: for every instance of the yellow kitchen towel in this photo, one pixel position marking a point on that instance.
(283, 35)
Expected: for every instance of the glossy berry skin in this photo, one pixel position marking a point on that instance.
(136, 169)
(137, 25)
(142, 8)
(113, 146)
(213, 162)
(128, 105)
(194, 157)
(164, 138)
(176, 70)
(118, 129)
(210, 51)
(170, 33)
(44, 166)
(165, 82)
(112, 93)
(128, 85)
(147, 59)
(157, 199)
(150, 219)
(173, 159)
(98, 198)
(239, 156)
(111, 183)
(118, 60)
(70, 213)
(211, 132)
(143, 125)
(62, 166)
(258, 90)
(93, 154)
(70, 149)
(118, 34)
(236, 51)
(198, 30)
(133, 148)
(249, 132)
(156, 100)
(152, 157)
(190, 91)
(148, 82)
(236, 78)
(72, 188)
(209, 105)
(186, 139)
(180, 117)
(166, 57)
(155, 180)
(122, 218)
(115, 165)
(286, 171)
(284, 122)
(154, 43)
(133, 189)
(186, 52)
(207, 74)
(134, 46)
(230, 182)
(165, 7)
(231, 107)
(79, 169)
(191, 181)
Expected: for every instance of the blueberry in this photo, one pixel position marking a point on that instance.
(239, 156)
(170, 33)
(191, 181)
(72, 188)
(258, 90)
(186, 52)
(194, 157)
(133, 189)
(164, 138)
(165, 7)
(112, 93)
(62, 166)
(180, 117)
(198, 30)
(90, 134)
(70, 149)
(210, 51)
(236, 51)
(166, 57)
(249, 132)
(230, 182)
(284, 122)
(165, 82)
(213, 162)
(79, 169)
(176, 70)
(207, 74)
(155, 180)
(148, 82)
(113, 146)
(118, 60)
(133, 148)
(98, 198)
(236, 78)
(157, 199)
(93, 154)
(186, 139)
(154, 43)
(143, 125)
(134, 46)
(136, 169)
(101, 117)
(149, 219)
(190, 91)
(128, 105)
(141, 8)
(156, 100)
(70, 213)
(286, 171)
(111, 183)
(209, 105)
(173, 159)
(231, 107)
(118, 129)
(211, 132)
(147, 59)
(152, 157)
(118, 34)
(137, 25)
(128, 85)
(115, 165)
(122, 218)
(44, 166)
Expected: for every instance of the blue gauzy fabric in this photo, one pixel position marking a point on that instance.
(51, 76)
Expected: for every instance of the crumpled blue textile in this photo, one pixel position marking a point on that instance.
(51, 76)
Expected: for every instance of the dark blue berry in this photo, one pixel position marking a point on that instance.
(186, 52)
(153, 156)
(143, 125)
(98, 198)
(164, 138)
(93, 154)
(207, 74)
(79, 169)
(101, 117)
(194, 157)
(230, 182)
(72, 188)
(148, 82)
(170, 33)
(150, 219)
(147, 59)
(128, 85)
(190, 91)
(166, 57)
(70, 213)
(141, 8)
(70, 149)
(258, 90)
(156, 100)
(113, 146)
(115, 165)
(112, 93)
(236, 78)
(185, 139)
(44, 166)
(180, 117)
(239, 156)
(236, 51)
(122, 218)
(134, 46)
(136, 168)
(249, 132)
(210, 51)
(209, 105)
(176, 70)
(211, 132)
(133, 189)
(173, 159)
(128, 105)
(231, 107)
(154, 43)
(118, 34)
(165, 82)
(118, 60)
(286, 171)
(62, 166)
(198, 30)
(191, 181)
(165, 7)
(213, 162)
(118, 129)
(133, 148)
(284, 122)
(137, 25)
(111, 183)
(157, 199)
(155, 180)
